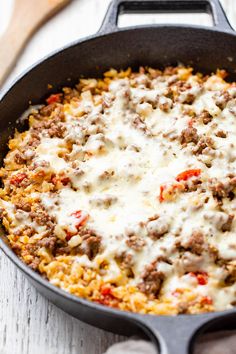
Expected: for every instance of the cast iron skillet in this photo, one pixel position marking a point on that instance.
(158, 45)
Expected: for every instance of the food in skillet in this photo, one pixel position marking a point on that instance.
(122, 191)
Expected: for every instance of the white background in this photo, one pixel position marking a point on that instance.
(29, 324)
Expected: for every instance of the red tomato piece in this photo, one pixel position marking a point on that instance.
(202, 277)
(65, 181)
(162, 188)
(54, 98)
(77, 213)
(54, 179)
(106, 290)
(69, 235)
(82, 218)
(206, 300)
(184, 176)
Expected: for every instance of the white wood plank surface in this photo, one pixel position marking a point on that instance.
(29, 324)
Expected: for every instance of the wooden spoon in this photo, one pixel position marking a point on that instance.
(27, 17)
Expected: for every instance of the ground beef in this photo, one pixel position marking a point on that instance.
(192, 184)
(205, 117)
(189, 135)
(63, 249)
(227, 225)
(231, 277)
(183, 307)
(35, 263)
(221, 134)
(221, 220)
(151, 280)
(222, 189)
(28, 231)
(195, 243)
(46, 111)
(48, 242)
(56, 130)
(158, 227)
(19, 158)
(25, 206)
(91, 243)
(165, 103)
(125, 260)
(222, 99)
(135, 242)
(203, 144)
(41, 217)
(138, 123)
(34, 140)
(37, 164)
(53, 127)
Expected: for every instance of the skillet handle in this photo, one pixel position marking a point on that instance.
(178, 334)
(213, 7)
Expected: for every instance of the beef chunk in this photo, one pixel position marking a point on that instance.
(223, 99)
(222, 189)
(203, 144)
(221, 134)
(35, 263)
(91, 243)
(205, 117)
(158, 227)
(227, 225)
(42, 217)
(135, 242)
(220, 220)
(21, 204)
(48, 242)
(19, 158)
(125, 260)
(189, 135)
(195, 243)
(151, 280)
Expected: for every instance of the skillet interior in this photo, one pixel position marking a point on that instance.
(204, 49)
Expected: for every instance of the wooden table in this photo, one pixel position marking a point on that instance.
(29, 324)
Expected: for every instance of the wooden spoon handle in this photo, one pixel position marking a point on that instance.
(27, 17)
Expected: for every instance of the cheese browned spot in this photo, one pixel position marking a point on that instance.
(122, 191)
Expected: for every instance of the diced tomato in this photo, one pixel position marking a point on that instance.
(77, 213)
(82, 218)
(171, 188)
(184, 176)
(82, 221)
(162, 188)
(54, 179)
(206, 300)
(69, 235)
(106, 290)
(107, 298)
(202, 277)
(17, 179)
(65, 181)
(54, 98)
